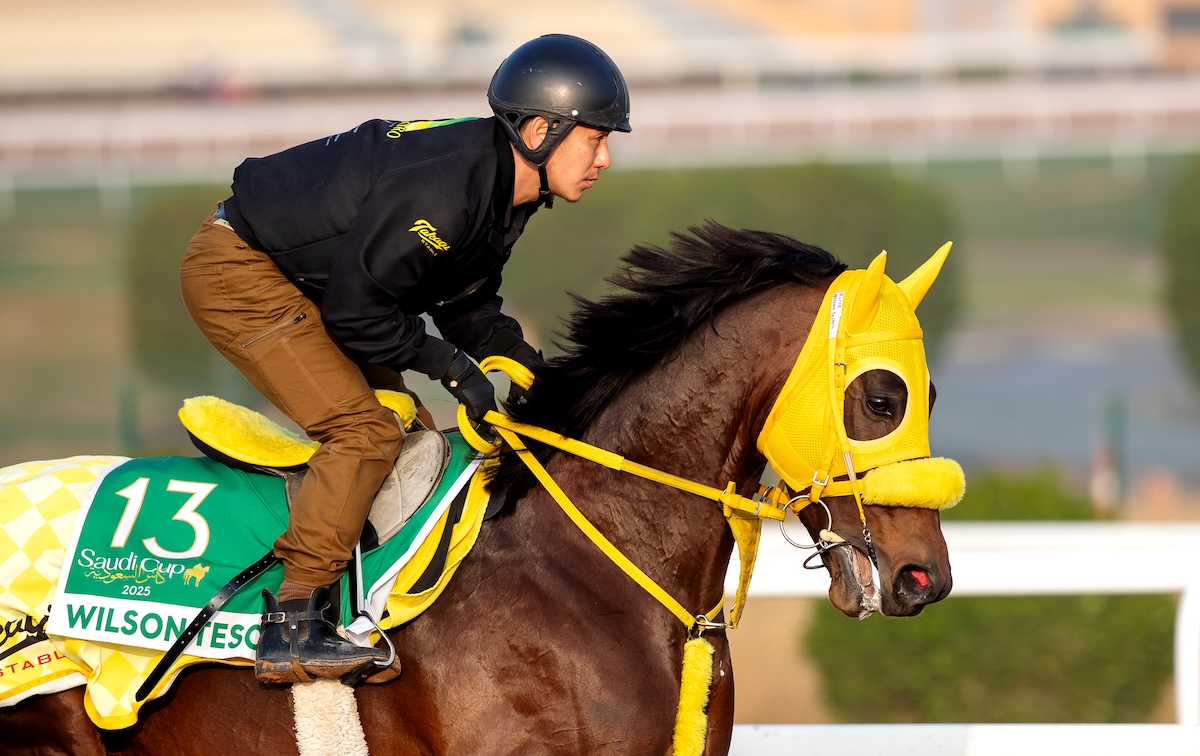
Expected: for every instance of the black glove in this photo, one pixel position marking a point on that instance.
(532, 360)
(469, 386)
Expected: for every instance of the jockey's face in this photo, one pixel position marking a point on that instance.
(576, 162)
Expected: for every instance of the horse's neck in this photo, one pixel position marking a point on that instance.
(695, 415)
(698, 413)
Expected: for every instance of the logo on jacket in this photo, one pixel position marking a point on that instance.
(429, 237)
(398, 128)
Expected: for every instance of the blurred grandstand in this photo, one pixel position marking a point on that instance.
(219, 48)
(141, 91)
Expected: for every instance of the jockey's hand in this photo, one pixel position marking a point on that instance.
(531, 359)
(469, 386)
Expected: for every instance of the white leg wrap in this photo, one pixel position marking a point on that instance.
(327, 719)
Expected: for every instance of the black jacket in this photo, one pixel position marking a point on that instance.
(387, 221)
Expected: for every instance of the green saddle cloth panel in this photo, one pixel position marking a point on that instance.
(161, 535)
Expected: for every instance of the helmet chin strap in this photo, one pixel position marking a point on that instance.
(544, 195)
(541, 155)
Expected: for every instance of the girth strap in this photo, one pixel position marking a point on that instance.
(193, 629)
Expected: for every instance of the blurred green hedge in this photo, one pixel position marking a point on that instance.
(1180, 245)
(167, 346)
(172, 358)
(1034, 659)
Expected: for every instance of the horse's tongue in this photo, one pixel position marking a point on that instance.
(862, 568)
(866, 580)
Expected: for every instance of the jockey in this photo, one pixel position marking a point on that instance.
(312, 279)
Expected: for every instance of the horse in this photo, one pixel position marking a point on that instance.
(540, 644)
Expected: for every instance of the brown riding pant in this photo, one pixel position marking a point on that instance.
(274, 336)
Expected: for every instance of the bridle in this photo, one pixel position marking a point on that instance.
(826, 540)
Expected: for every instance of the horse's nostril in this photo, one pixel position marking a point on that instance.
(916, 582)
(920, 577)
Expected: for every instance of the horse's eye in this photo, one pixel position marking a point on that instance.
(880, 405)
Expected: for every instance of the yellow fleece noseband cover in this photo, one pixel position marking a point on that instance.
(866, 322)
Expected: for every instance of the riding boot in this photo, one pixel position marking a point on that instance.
(299, 642)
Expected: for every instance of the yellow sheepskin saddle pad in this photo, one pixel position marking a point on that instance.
(240, 437)
(105, 560)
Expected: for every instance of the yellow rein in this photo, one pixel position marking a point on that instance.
(743, 515)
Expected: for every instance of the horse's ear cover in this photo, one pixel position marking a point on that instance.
(866, 322)
(864, 309)
(917, 284)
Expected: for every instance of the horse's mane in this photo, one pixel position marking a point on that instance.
(661, 295)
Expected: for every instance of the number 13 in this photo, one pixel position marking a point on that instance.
(135, 493)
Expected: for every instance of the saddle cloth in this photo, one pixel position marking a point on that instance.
(137, 574)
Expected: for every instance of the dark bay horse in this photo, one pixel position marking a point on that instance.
(540, 644)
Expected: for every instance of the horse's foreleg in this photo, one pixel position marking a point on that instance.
(45, 725)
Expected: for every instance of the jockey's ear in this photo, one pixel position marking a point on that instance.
(533, 131)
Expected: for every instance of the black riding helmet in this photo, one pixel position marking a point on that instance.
(566, 80)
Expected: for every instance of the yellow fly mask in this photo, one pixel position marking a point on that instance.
(866, 322)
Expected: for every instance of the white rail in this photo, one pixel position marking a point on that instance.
(1044, 559)
(965, 740)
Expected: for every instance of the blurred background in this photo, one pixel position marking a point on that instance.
(1052, 140)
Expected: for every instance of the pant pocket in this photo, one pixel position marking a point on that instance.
(313, 382)
(278, 329)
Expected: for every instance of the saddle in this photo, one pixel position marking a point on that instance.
(246, 440)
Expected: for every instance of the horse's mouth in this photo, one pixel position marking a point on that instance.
(854, 583)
